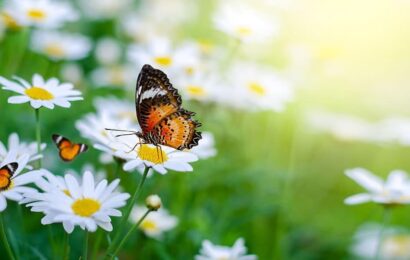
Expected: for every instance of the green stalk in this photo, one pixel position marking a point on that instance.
(385, 222)
(85, 248)
(124, 218)
(5, 240)
(38, 135)
(66, 253)
(128, 234)
(96, 245)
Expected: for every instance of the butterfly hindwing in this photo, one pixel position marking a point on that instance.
(179, 130)
(6, 173)
(68, 150)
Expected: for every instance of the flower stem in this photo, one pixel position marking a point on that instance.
(128, 210)
(380, 240)
(38, 135)
(129, 233)
(85, 248)
(66, 253)
(5, 240)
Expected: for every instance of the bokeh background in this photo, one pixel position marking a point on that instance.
(277, 179)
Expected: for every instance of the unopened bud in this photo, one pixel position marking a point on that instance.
(153, 202)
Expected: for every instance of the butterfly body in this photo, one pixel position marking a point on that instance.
(68, 151)
(162, 119)
(6, 174)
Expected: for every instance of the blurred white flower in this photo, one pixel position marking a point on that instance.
(138, 27)
(244, 23)
(72, 72)
(160, 158)
(188, 60)
(123, 76)
(210, 251)
(257, 88)
(156, 223)
(60, 45)
(9, 21)
(20, 149)
(158, 52)
(41, 92)
(108, 51)
(16, 188)
(201, 87)
(87, 205)
(395, 245)
(395, 190)
(119, 109)
(41, 13)
(206, 146)
(104, 9)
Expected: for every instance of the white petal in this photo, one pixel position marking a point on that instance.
(358, 199)
(73, 186)
(3, 203)
(88, 184)
(68, 226)
(18, 99)
(366, 179)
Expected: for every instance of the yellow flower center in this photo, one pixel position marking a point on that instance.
(67, 192)
(163, 60)
(149, 225)
(152, 154)
(36, 14)
(196, 90)
(244, 31)
(38, 93)
(9, 21)
(85, 207)
(54, 49)
(117, 76)
(397, 246)
(189, 70)
(257, 88)
(205, 47)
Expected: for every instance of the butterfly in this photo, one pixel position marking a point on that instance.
(6, 174)
(162, 119)
(68, 150)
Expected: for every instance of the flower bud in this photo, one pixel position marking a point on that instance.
(153, 202)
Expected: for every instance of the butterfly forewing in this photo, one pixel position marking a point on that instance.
(68, 151)
(6, 173)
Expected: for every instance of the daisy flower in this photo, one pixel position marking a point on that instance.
(108, 51)
(158, 52)
(72, 72)
(60, 46)
(206, 146)
(20, 149)
(41, 13)
(87, 205)
(115, 75)
(210, 251)
(258, 88)
(244, 23)
(200, 87)
(18, 181)
(160, 159)
(395, 190)
(104, 9)
(395, 243)
(119, 109)
(156, 223)
(41, 92)
(138, 27)
(188, 60)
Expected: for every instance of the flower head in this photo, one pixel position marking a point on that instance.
(41, 92)
(60, 45)
(153, 202)
(395, 190)
(210, 251)
(41, 13)
(156, 223)
(87, 205)
(20, 149)
(17, 188)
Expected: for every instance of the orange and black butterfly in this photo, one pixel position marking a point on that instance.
(6, 175)
(68, 150)
(162, 119)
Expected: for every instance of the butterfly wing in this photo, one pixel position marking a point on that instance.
(179, 130)
(154, 91)
(6, 172)
(68, 150)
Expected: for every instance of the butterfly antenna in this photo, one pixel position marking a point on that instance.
(119, 130)
(125, 134)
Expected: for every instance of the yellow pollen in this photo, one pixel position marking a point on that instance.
(257, 88)
(189, 70)
(38, 93)
(54, 49)
(196, 90)
(149, 225)
(152, 154)
(163, 60)
(85, 207)
(244, 31)
(67, 192)
(36, 14)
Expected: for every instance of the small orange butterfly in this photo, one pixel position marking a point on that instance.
(68, 150)
(6, 173)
